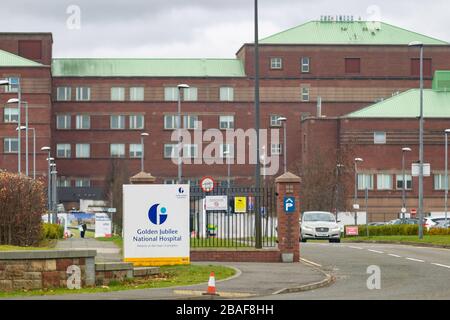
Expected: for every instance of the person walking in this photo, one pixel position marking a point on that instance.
(82, 230)
(84, 226)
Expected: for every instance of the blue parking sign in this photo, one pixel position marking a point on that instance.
(289, 204)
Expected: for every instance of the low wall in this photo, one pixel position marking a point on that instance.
(241, 255)
(112, 271)
(44, 269)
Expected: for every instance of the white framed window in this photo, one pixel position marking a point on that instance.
(83, 121)
(83, 94)
(11, 115)
(276, 148)
(170, 150)
(117, 122)
(365, 181)
(274, 122)
(276, 63)
(170, 121)
(137, 94)
(83, 150)
(305, 94)
(190, 151)
(399, 181)
(439, 181)
(82, 183)
(10, 145)
(305, 62)
(226, 150)
(63, 150)
(63, 93)
(190, 122)
(137, 121)
(13, 85)
(384, 181)
(190, 94)
(135, 150)
(117, 94)
(170, 94)
(226, 93)
(170, 181)
(226, 122)
(63, 182)
(379, 137)
(117, 150)
(63, 121)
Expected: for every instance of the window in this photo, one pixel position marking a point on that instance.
(82, 183)
(117, 122)
(190, 151)
(399, 180)
(83, 150)
(384, 181)
(13, 85)
(427, 67)
(190, 122)
(63, 182)
(137, 121)
(365, 181)
(226, 150)
(136, 94)
(379, 137)
(305, 94)
(117, 150)
(274, 122)
(11, 115)
(226, 122)
(352, 65)
(135, 150)
(170, 121)
(190, 94)
(63, 150)
(170, 151)
(305, 64)
(276, 63)
(83, 94)
(170, 93)
(439, 182)
(275, 148)
(170, 181)
(83, 121)
(10, 145)
(63, 121)
(63, 93)
(226, 94)
(117, 94)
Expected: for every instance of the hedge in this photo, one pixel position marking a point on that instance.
(52, 231)
(399, 230)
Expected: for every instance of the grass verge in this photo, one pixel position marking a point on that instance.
(427, 239)
(169, 276)
(44, 245)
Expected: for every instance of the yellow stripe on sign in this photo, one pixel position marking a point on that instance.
(155, 262)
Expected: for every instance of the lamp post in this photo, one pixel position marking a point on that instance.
(283, 120)
(19, 136)
(48, 180)
(404, 150)
(143, 135)
(447, 131)
(15, 100)
(53, 174)
(420, 45)
(34, 152)
(356, 189)
(180, 86)
(336, 203)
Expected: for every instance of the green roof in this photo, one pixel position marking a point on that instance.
(436, 104)
(8, 59)
(349, 33)
(147, 68)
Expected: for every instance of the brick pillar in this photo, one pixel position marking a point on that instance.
(142, 178)
(288, 185)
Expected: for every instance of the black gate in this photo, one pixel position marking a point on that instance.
(226, 217)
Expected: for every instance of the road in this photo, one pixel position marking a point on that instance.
(407, 272)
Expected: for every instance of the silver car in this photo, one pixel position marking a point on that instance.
(319, 225)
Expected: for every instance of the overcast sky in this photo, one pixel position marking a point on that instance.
(196, 28)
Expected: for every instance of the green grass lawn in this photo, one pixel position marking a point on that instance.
(427, 239)
(44, 245)
(170, 276)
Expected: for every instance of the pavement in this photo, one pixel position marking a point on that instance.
(107, 251)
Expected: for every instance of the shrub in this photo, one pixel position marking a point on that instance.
(52, 231)
(390, 230)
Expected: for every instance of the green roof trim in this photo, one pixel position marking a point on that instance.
(436, 104)
(349, 33)
(8, 59)
(147, 67)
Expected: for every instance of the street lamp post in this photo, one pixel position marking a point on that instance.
(54, 200)
(356, 188)
(404, 150)
(336, 201)
(180, 151)
(284, 121)
(48, 181)
(144, 134)
(34, 152)
(19, 136)
(447, 131)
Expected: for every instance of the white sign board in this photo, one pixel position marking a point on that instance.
(156, 224)
(416, 169)
(216, 202)
(102, 225)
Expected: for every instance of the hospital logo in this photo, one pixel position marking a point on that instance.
(157, 215)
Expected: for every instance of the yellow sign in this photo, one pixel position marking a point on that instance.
(155, 262)
(240, 204)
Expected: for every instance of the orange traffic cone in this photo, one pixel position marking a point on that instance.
(211, 291)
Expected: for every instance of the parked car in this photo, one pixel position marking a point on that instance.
(430, 222)
(403, 221)
(319, 225)
(442, 224)
(376, 224)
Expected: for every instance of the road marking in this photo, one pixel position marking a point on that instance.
(376, 251)
(310, 262)
(394, 255)
(417, 260)
(441, 265)
(359, 248)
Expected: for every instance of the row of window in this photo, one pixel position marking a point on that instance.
(385, 181)
(276, 63)
(64, 182)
